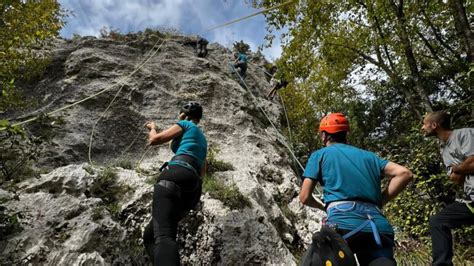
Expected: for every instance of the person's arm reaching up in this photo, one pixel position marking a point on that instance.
(155, 138)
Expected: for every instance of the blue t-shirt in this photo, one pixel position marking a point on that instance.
(242, 58)
(192, 142)
(349, 174)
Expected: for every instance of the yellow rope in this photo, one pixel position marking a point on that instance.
(252, 15)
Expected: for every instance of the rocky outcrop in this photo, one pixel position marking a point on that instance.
(85, 214)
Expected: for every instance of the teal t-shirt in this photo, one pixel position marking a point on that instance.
(192, 142)
(242, 58)
(348, 173)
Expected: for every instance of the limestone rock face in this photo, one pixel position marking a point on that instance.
(83, 214)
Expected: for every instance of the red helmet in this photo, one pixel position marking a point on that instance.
(333, 123)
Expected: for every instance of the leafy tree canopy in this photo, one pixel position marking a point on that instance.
(25, 27)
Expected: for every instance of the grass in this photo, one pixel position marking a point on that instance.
(125, 164)
(105, 186)
(97, 214)
(89, 169)
(214, 164)
(418, 252)
(229, 195)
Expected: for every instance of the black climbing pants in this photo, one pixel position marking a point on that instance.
(201, 50)
(243, 68)
(455, 215)
(172, 199)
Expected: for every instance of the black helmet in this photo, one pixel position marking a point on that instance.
(192, 109)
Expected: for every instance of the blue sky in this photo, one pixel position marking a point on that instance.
(188, 16)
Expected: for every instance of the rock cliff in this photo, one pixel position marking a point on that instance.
(80, 213)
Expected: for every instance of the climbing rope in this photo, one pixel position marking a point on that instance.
(286, 117)
(280, 137)
(264, 71)
(151, 54)
(82, 100)
(282, 103)
(252, 15)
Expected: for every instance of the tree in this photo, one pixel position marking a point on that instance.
(25, 27)
(384, 64)
(413, 47)
(241, 47)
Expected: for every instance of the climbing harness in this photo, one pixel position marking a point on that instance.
(368, 221)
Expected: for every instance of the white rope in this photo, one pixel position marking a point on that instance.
(280, 137)
(140, 65)
(286, 117)
(282, 103)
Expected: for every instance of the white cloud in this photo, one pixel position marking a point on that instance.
(189, 16)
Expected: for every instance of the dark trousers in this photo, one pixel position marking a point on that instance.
(170, 205)
(201, 50)
(368, 253)
(455, 215)
(243, 68)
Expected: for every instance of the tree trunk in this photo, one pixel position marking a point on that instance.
(463, 28)
(410, 57)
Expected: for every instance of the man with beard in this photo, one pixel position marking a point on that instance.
(457, 152)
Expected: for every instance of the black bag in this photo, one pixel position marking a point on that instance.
(328, 248)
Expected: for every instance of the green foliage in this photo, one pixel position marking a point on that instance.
(241, 47)
(125, 164)
(20, 151)
(105, 186)
(89, 169)
(26, 27)
(383, 64)
(418, 252)
(114, 209)
(229, 195)
(97, 214)
(215, 165)
(9, 223)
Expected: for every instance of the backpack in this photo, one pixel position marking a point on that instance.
(328, 249)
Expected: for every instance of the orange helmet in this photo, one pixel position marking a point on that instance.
(333, 123)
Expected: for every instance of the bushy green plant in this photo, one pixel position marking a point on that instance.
(9, 223)
(25, 27)
(105, 186)
(20, 151)
(97, 214)
(229, 195)
(241, 47)
(125, 164)
(213, 163)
